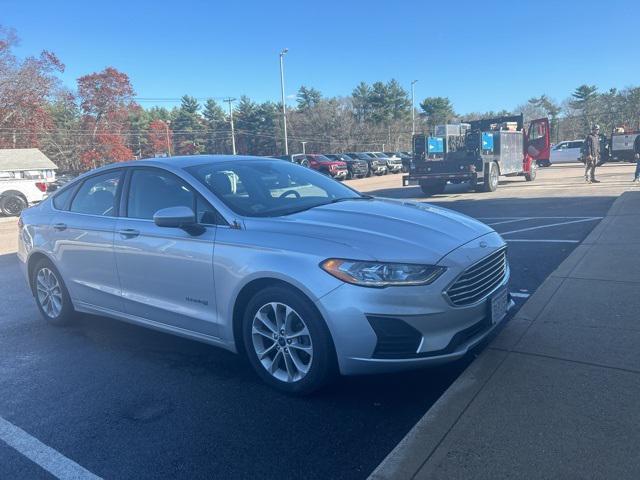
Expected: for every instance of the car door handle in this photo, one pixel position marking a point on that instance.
(129, 232)
(60, 226)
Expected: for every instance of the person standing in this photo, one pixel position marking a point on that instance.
(636, 149)
(591, 154)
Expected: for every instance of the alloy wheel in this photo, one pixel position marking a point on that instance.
(49, 292)
(282, 342)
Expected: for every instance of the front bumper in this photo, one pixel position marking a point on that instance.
(395, 168)
(374, 330)
(339, 174)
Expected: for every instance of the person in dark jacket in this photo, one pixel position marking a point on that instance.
(591, 154)
(636, 149)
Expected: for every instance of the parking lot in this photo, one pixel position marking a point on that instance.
(125, 402)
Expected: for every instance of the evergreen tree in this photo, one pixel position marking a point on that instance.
(308, 98)
(218, 128)
(188, 126)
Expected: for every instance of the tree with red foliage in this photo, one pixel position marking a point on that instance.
(159, 137)
(25, 89)
(105, 98)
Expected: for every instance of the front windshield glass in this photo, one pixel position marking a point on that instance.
(269, 188)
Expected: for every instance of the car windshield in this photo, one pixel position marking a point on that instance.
(380, 155)
(266, 188)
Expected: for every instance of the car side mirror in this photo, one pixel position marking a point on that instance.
(175, 217)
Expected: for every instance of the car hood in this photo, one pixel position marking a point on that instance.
(385, 230)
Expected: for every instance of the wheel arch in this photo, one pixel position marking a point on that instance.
(253, 287)
(33, 259)
(17, 193)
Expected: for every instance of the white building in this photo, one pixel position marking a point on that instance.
(27, 163)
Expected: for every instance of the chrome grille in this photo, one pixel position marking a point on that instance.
(479, 280)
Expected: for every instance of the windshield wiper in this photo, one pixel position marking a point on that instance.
(346, 199)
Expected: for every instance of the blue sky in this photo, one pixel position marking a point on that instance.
(483, 55)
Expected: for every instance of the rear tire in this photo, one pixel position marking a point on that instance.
(12, 205)
(287, 342)
(491, 178)
(51, 294)
(433, 188)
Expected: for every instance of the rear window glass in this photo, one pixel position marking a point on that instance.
(97, 195)
(61, 200)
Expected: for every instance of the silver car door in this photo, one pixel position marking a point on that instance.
(166, 273)
(81, 237)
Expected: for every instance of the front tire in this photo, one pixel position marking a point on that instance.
(533, 172)
(51, 294)
(287, 342)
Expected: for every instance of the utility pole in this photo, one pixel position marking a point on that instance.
(233, 133)
(166, 129)
(303, 147)
(284, 108)
(413, 109)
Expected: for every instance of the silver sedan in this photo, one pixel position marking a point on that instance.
(303, 275)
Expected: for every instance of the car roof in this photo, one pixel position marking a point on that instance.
(178, 162)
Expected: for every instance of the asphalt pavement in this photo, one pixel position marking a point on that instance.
(126, 402)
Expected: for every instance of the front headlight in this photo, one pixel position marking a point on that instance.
(378, 274)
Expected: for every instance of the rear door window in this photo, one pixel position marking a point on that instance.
(98, 195)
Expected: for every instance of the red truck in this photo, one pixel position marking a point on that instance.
(334, 168)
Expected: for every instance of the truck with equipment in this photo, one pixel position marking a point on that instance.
(477, 153)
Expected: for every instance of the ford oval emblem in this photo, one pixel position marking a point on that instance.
(483, 244)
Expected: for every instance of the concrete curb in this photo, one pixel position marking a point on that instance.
(417, 447)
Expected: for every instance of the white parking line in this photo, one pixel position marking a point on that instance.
(557, 224)
(492, 224)
(520, 295)
(46, 457)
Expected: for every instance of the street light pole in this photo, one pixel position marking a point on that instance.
(303, 147)
(284, 108)
(166, 128)
(233, 133)
(413, 109)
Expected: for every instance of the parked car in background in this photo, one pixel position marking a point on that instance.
(61, 180)
(334, 168)
(18, 194)
(404, 157)
(356, 168)
(299, 158)
(376, 166)
(394, 164)
(302, 275)
(566, 152)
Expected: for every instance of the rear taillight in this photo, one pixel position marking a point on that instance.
(42, 186)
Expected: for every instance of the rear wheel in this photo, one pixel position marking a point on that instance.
(433, 188)
(12, 204)
(287, 342)
(51, 294)
(491, 178)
